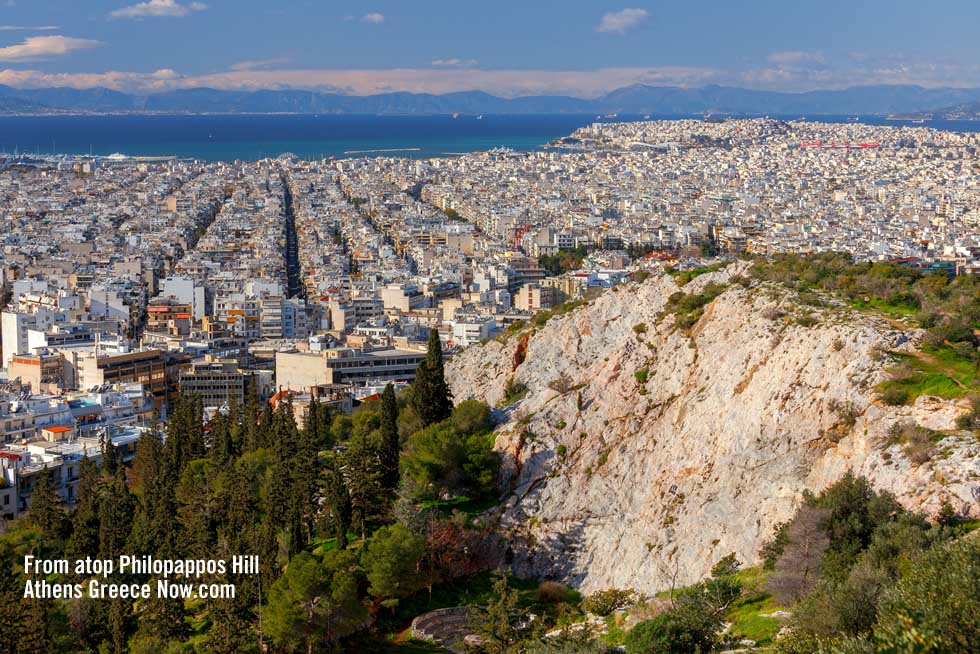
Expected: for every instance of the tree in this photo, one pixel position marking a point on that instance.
(500, 625)
(11, 600)
(935, 607)
(34, 634)
(440, 460)
(109, 459)
(389, 449)
(797, 569)
(361, 476)
(47, 511)
(314, 603)
(391, 562)
(431, 397)
(84, 539)
(115, 517)
(671, 632)
(338, 502)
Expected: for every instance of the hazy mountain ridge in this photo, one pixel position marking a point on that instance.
(638, 99)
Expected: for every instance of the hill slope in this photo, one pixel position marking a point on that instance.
(642, 449)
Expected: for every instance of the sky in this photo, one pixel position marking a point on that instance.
(505, 47)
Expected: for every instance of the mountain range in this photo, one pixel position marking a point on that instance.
(635, 99)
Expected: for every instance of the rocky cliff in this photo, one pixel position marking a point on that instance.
(643, 450)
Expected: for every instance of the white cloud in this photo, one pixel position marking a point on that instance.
(453, 62)
(43, 47)
(504, 83)
(622, 21)
(258, 63)
(796, 57)
(28, 28)
(157, 8)
(373, 17)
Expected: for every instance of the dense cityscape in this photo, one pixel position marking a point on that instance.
(128, 281)
(130, 284)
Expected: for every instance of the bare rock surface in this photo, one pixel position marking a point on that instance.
(642, 450)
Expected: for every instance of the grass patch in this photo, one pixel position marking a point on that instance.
(935, 371)
(893, 309)
(747, 615)
(469, 506)
(683, 277)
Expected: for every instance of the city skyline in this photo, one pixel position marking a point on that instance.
(584, 49)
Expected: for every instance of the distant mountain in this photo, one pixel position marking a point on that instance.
(883, 99)
(636, 99)
(962, 111)
(12, 105)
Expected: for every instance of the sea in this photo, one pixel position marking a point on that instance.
(248, 137)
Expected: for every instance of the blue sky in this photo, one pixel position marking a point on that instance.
(506, 47)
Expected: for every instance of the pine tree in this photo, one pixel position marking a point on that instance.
(390, 446)
(431, 397)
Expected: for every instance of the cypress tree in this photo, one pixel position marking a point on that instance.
(47, 512)
(390, 447)
(339, 502)
(12, 601)
(431, 397)
(34, 635)
(115, 518)
(84, 539)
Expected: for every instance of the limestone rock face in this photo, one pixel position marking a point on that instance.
(643, 451)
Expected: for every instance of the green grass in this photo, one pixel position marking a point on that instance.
(746, 615)
(682, 278)
(969, 525)
(749, 623)
(937, 371)
(882, 305)
(469, 506)
(615, 634)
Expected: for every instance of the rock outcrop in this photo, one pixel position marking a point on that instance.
(643, 452)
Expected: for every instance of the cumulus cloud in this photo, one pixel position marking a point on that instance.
(158, 8)
(258, 63)
(373, 17)
(42, 47)
(621, 21)
(453, 62)
(29, 28)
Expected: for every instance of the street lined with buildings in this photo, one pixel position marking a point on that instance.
(128, 282)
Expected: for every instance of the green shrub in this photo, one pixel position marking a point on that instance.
(514, 391)
(604, 602)
(670, 633)
(641, 375)
(895, 396)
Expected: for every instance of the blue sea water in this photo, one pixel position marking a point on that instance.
(245, 137)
